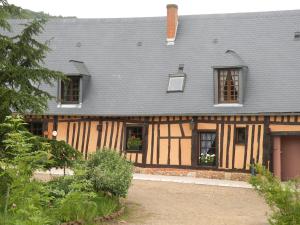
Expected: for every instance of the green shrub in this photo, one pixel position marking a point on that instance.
(77, 206)
(22, 200)
(16, 145)
(82, 206)
(106, 205)
(27, 204)
(61, 186)
(109, 172)
(283, 198)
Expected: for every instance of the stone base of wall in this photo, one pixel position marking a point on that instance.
(213, 174)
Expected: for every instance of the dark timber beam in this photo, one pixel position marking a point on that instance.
(194, 154)
(145, 147)
(55, 125)
(267, 142)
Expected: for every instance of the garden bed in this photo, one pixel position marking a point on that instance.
(92, 192)
(100, 218)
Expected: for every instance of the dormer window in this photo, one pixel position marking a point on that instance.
(70, 90)
(228, 87)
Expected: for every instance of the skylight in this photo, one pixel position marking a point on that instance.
(176, 83)
(177, 80)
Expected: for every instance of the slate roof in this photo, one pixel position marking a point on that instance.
(128, 79)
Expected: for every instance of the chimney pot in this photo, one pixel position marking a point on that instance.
(172, 23)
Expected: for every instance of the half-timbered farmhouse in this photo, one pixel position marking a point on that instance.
(209, 94)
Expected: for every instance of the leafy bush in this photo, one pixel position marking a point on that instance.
(74, 199)
(109, 172)
(61, 186)
(283, 198)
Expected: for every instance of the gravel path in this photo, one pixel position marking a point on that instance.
(166, 203)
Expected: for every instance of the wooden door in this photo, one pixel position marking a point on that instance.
(290, 157)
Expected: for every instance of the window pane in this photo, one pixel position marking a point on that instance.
(176, 83)
(241, 135)
(70, 91)
(36, 128)
(134, 138)
(207, 151)
(228, 85)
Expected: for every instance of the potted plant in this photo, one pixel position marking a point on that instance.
(134, 143)
(207, 159)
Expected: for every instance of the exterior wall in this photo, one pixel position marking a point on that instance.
(173, 141)
(281, 127)
(232, 155)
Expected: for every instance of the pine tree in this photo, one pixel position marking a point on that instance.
(22, 68)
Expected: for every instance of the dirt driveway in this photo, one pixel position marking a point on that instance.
(164, 203)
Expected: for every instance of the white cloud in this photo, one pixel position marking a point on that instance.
(146, 8)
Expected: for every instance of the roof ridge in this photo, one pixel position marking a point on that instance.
(273, 13)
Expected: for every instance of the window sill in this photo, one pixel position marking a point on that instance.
(207, 166)
(134, 151)
(70, 106)
(240, 144)
(229, 105)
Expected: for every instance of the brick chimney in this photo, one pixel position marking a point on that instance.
(172, 23)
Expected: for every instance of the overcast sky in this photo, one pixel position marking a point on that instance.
(146, 8)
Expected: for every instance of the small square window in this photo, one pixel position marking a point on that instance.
(134, 138)
(240, 135)
(176, 83)
(36, 128)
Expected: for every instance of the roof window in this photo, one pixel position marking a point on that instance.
(177, 80)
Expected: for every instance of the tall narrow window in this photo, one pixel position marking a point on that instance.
(70, 90)
(207, 148)
(228, 85)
